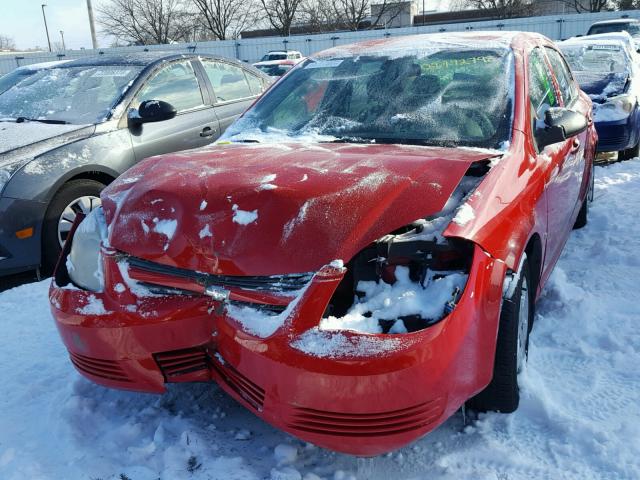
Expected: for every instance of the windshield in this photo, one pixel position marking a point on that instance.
(10, 79)
(596, 58)
(632, 28)
(274, 70)
(443, 96)
(80, 95)
(274, 56)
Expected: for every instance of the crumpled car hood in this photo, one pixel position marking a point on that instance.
(601, 86)
(272, 209)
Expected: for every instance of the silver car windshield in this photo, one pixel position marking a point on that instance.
(78, 95)
(443, 96)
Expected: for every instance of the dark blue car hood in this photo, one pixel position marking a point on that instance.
(597, 85)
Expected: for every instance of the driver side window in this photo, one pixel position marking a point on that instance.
(541, 90)
(176, 84)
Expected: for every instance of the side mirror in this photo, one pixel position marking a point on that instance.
(559, 124)
(152, 111)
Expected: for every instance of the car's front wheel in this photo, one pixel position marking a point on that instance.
(516, 319)
(583, 214)
(76, 196)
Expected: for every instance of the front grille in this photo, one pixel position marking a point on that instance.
(272, 283)
(107, 369)
(181, 362)
(366, 424)
(249, 391)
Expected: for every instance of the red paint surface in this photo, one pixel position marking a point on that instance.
(366, 404)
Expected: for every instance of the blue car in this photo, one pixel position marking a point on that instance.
(609, 75)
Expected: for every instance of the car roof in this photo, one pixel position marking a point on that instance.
(585, 43)
(615, 21)
(139, 58)
(282, 51)
(42, 65)
(486, 39)
(618, 37)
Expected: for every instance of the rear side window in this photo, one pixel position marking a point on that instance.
(176, 84)
(563, 75)
(228, 81)
(254, 83)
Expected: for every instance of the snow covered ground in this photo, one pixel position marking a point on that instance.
(579, 417)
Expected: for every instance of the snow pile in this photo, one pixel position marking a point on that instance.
(205, 232)
(579, 417)
(331, 344)
(464, 215)
(244, 217)
(383, 301)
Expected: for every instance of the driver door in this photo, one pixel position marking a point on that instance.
(560, 157)
(195, 124)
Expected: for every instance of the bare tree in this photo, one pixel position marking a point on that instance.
(320, 15)
(145, 22)
(581, 6)
(627, 4)
(354, 13)
(503, 8)
(226, 18)
(281, 14)
(7, 43)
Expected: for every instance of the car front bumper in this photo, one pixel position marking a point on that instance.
(20, 252)
(364, 403)
(618, 135)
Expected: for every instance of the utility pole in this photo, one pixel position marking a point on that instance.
(92, 25)
(45, 25)
(64, 47)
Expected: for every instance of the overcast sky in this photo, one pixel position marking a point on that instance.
(22, 21)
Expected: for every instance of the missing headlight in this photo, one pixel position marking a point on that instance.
(84, 262)
(410, 279)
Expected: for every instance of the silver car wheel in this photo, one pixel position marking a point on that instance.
(523, 323)
(80, 205)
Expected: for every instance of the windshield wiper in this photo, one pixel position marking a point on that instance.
(351, 140)
(387, 140)
(42, 120)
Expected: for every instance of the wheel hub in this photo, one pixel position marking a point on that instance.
(80, 205)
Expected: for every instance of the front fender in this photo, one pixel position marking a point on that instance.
(108, 153)
(508, 206)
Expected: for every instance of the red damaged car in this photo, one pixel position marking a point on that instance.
(361, 254)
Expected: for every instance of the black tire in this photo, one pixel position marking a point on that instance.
(503, 393)
(630, 153)
(69, 192)
(583, 215)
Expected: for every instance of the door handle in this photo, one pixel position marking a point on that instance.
(575, 146)
(208, 132)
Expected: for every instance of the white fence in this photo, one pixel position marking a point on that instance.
(556, 27)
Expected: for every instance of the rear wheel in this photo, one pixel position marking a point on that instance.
(76, 196)
(516, 318)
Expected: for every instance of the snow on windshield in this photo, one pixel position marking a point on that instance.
(445, 95)
(604, 58)
(79, 95)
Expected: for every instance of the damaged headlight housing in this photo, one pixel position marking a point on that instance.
(625, 103)
(84, 263)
